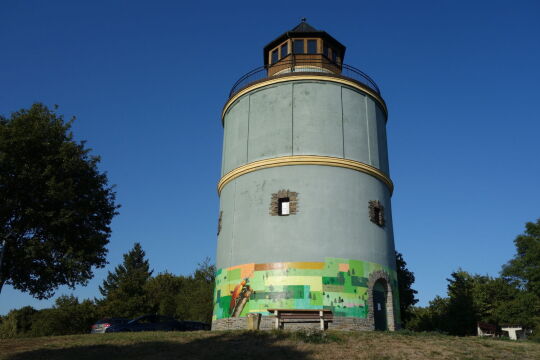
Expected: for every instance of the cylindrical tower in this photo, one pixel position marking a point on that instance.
(305, 217)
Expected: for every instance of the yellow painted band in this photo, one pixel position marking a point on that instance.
(305, 160)
(282, 78)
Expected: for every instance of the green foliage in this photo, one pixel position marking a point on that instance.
(128, 292)
(162, 292)
(524, 268)
(462, 314)
(431, 318)
(524, 310)
(510, 299)
(124, 289)
(407, 294)
(492, 297)
(17, 322)
(68, 316)
(56, 205)
(195, 302)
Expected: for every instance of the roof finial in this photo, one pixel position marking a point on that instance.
(303, 19)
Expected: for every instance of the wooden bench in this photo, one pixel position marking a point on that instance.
(301, 316)
(485, 329)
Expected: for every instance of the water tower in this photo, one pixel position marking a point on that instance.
(305, 218)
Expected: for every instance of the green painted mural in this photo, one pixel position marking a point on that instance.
(339, 285)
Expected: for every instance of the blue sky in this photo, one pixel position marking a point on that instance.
(147, 81)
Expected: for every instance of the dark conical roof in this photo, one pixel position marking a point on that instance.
(303, 30)
(304, 27)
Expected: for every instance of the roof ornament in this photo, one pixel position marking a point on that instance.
(303, 19)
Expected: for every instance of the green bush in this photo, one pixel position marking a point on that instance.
(68, 316)
(17, 322)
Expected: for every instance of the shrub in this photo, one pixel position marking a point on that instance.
(68, 316)
(17, 322)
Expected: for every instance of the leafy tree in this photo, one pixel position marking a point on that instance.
(438, 313)
(523, 310)
(124, 289)
(456, 314)
(406, 292)
(511, 299)
(56, 205)
(419, 319)
(17, 322)
(462, 314)
(434, 317)
(162, 292)
(195, 302)
(68, 316)
(491, 297)
(524, 268)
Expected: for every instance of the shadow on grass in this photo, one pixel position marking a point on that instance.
(244, 345)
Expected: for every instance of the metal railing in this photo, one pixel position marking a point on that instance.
(302, 64)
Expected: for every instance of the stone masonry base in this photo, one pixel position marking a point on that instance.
(267, 323)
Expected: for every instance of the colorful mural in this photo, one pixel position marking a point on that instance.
(340, 285)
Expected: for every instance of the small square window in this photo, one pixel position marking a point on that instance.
(298, 46)
(312, 46)
(376, 212)
(284, 203)
(284, 50)
(283, 206)
(274, 56)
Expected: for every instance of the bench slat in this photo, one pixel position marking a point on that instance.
(304, 317)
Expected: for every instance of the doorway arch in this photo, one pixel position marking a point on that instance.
(380, 301)
(379, 305)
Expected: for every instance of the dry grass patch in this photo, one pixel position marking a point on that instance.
(265, 345)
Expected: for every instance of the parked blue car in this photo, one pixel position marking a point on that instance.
(157, 323)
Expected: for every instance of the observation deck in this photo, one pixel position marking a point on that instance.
(308, 52)
(305, 64)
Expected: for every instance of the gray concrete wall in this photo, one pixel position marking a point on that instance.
(304, 118)
(332, 219)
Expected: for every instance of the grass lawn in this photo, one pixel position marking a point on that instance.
(264, 345)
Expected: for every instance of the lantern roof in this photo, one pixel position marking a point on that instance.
(304, 30)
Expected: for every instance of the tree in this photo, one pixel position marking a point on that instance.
(524, 271)
(195, 302)
(434, 317)
(56, 205)
(124, 289)
(491, 297)
(17, 322)
(524, 268)
(68, 316)
(162, 292)
(462, 313)
(407, 294)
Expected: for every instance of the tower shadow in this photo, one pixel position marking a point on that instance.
(241, 345)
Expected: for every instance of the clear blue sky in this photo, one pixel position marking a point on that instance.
(147, 81)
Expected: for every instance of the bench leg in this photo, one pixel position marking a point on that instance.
(277, 321)
(321, 314)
